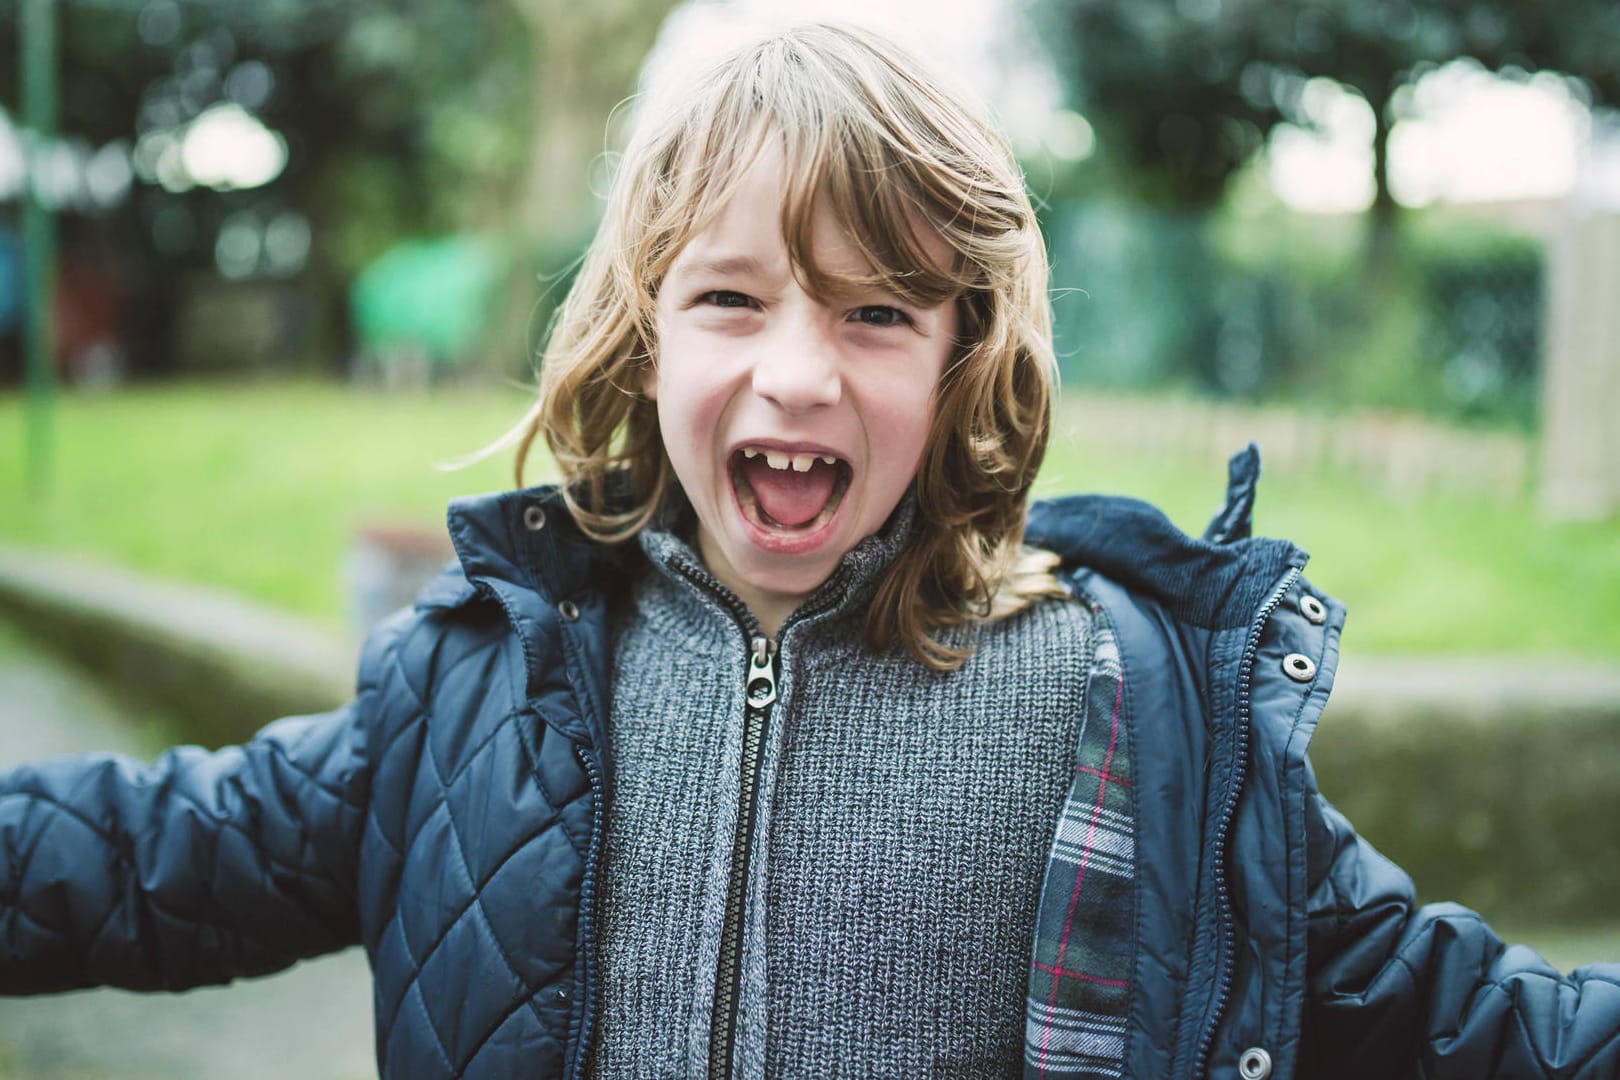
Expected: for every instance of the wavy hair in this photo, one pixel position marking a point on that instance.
(866, 131)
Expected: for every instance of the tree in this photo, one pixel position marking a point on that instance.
(359, 162)
(1164, 91)
(584, 64)
(1184, 92)
(401, 118)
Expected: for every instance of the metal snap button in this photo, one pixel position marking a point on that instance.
(568, 610)
(1255, 1064)
(1313, 609)
(1299, 667)
(534, 518)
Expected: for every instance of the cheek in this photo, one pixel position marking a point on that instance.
(899, 431)
(688, 386)
(900, 409)
(915, 441)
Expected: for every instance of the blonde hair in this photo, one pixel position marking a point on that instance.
(866, 131)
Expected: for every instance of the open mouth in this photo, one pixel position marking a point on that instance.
(784, 491)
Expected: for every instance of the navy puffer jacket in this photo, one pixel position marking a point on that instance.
(449, 819)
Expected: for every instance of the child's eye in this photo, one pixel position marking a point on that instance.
(880, 315)
(725, 298)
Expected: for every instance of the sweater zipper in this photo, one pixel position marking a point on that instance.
(1223, 906)
(760, 693)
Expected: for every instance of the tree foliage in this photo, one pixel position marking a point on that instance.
(1185, 91)
(401, 118)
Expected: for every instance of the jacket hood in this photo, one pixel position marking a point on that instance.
(1216, 581)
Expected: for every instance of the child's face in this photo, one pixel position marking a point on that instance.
(757, 384)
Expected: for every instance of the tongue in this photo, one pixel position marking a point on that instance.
(790, 498)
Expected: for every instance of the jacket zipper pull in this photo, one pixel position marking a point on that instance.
(761, 686)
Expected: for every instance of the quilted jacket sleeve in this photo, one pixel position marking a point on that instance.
(195, 869)
(1403, 991)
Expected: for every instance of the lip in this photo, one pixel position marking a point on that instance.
(795, 543)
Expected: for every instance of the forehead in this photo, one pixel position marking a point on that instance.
(767, 221)
(745, 225)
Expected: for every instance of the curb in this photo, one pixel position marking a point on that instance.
(1490, 780)
(220, 666)
(1384, 689)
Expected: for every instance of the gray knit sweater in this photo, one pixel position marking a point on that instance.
(904, 821)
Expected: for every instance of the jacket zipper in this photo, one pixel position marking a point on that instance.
(760, 693)
(587, 905)
(582, 1008)
(1223, 906)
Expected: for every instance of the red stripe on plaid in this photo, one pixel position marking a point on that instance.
(1080, 876)
(1102, 775)
(1081, 975)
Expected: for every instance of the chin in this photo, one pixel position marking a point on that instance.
(784, 574)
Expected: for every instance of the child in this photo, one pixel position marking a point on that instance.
(763, 746)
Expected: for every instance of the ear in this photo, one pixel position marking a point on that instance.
(648, 379)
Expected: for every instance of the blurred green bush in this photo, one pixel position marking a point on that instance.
(1272, 306)
(1511, 812)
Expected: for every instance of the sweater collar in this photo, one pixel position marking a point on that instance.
(669, 545)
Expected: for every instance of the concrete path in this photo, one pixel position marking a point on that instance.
(311, 1022)
(220, 664)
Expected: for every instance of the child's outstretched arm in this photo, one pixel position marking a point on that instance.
(195, 869)
(1398, 990)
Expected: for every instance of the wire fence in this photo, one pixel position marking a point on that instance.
(1405, 454)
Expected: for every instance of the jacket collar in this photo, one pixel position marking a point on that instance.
(519, 540)
(1216, 581)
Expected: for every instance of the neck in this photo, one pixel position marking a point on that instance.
(771, 609)
(857, 571)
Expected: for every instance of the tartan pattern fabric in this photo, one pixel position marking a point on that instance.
(1079, 999)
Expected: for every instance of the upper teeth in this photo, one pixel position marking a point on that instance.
(776, 459)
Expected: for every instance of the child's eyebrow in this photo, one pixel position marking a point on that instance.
(726, 266)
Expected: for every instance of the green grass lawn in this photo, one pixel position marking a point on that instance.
(1447, 573)
(259, 487)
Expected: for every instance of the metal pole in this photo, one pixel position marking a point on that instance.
(37, 42)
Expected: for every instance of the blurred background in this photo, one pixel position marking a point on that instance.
(267, 268)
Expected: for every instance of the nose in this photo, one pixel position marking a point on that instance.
(797, 369)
